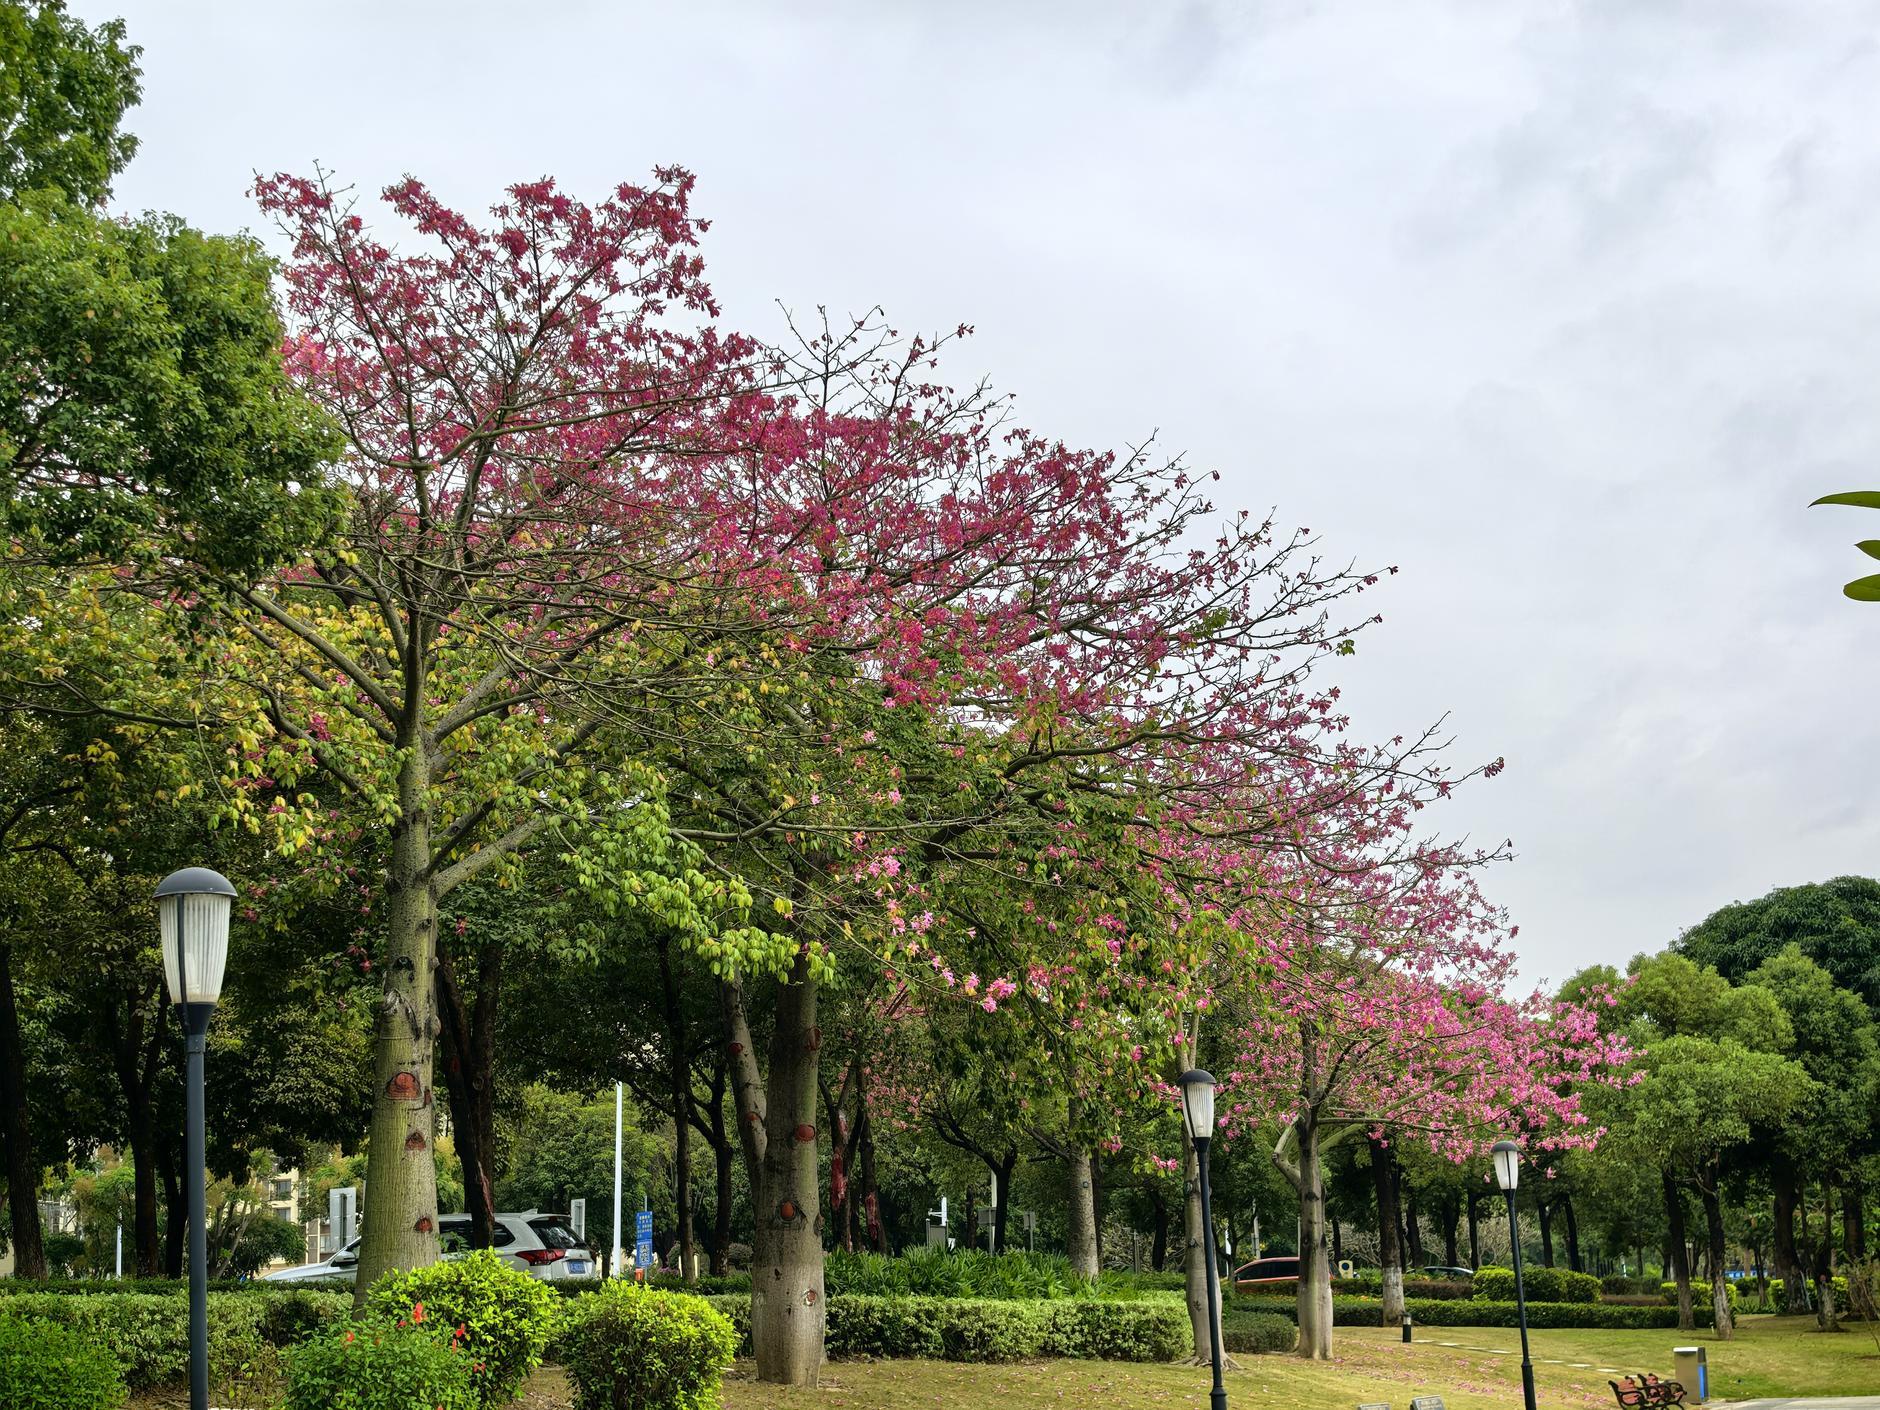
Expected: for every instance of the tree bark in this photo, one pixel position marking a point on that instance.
(777, 1131)
(1719, 1285)
(1680, 1255)
(1450, 1211)
(1315, 1266)
(1573, 1234)
(1158, 1243)
(1475, 1233)
(1853, 1218)
(1002, 1192)
(1195, 1258)
(1787, 1258)
(23, 1170)
(399, 1229)
(468, 1036)
(681, 1066)
(1544, 1208)
(176, 1222)
(1389, 1245)
(1081, 1242)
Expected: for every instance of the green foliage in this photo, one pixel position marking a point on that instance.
(63, 91)
(1700, 1293)
(1439, 1312)
(148, 1333)
(1412, 1287)
(1258, 1332)
(973, 1273)
(506, 1317)
(260, 1242)
(631, 1348)
(142, 361)
(1150, 1328)
(1835, 923)
(1493, 1284)
(378, 1364)
(48, 1367)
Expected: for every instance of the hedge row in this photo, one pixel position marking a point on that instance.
(1543, 1285)
(991, 1329)
(1412, 1287)
(1257, 1332)
(1478, 1312)
(148, 1333)
(10, 1286)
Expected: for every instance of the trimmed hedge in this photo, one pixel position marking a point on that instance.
(1477, 1312)
(377, 1364)
(991, 1329)
(1543, 1285)
(1700, 1292)
(1412, 1287)
(48, 1367)
(1254, 1333)
(148, 1333)
(633, 1348)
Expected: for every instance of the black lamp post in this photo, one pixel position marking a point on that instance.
(192, 913)
(1508, 1175)
(1198, 1104)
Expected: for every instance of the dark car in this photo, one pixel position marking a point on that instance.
(1265, 1273)
(1448, 1275)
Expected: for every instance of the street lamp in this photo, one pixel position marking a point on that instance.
(1508, 1175)
(192, 914)
(1198, 1104)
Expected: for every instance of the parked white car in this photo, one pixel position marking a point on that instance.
(541, 1245)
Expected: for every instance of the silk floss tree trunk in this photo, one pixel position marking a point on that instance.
(1081, 1241)
(1389, 1246)
(399, 1228)
(777, 1130)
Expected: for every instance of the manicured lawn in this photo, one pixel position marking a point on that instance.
(1770, 1357)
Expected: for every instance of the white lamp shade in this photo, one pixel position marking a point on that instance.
(1507, 1164)
(1198, 1102)
(192, 915)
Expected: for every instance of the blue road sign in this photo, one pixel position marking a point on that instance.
(643, 1239)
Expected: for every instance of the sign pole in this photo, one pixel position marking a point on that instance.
(613, 1261)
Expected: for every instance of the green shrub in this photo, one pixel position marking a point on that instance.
(1119, 1331)
(1258, 1332)
(708, 1285)
(1700, 1293)
(378, 1364)
(148, 1333)
(44, 1366)
(1543, 1285)
(1629, 1287)
(1475, 1312)
(633, 1348)
(504, 1317)
(1412, 1287)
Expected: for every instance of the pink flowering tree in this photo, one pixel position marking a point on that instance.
(1385, 1011)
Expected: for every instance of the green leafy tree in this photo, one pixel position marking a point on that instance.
(64, 89)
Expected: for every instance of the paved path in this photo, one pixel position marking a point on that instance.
(1808, 1402)
(1611, 1370)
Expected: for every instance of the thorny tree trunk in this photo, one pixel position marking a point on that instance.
(1315, 1269)
(29, 1252)
(1719, 1285)
(1195, 1258)
(469, 1041)
(1389, 1245)
(681, 1065)
(1680, 1255)
(777, 1130)
(1787, 1259)
(399, 1229)
(1081, 1242)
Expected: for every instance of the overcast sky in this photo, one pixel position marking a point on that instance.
(1568, 309)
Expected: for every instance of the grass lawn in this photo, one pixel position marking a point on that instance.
(1771, 1356)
